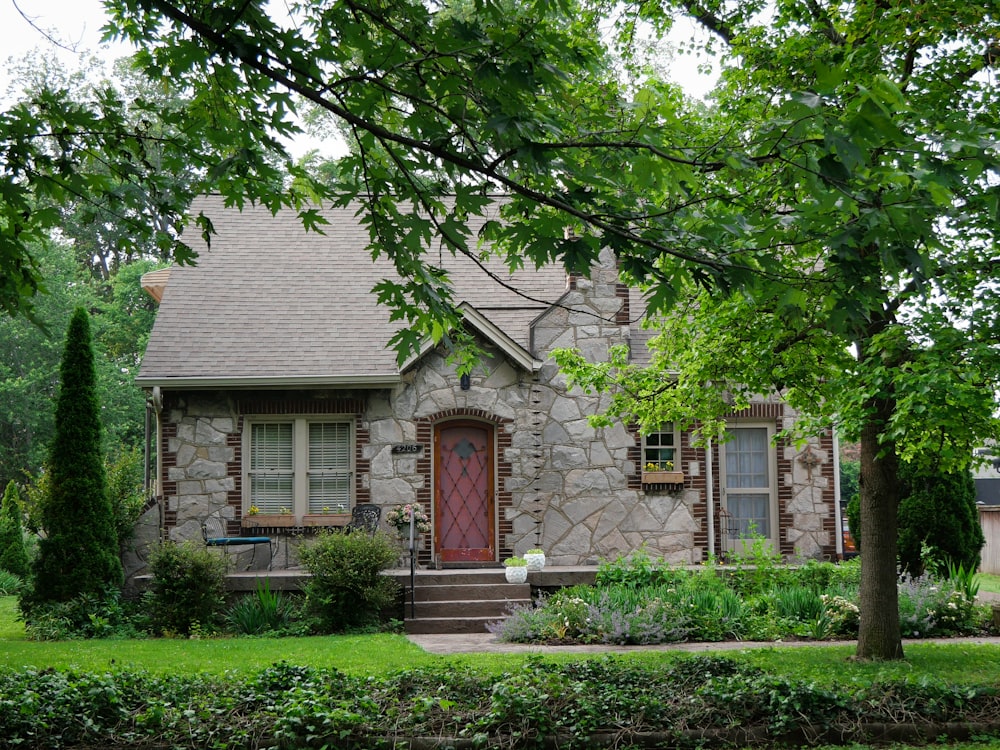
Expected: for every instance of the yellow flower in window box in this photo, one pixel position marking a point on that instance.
(661, 473)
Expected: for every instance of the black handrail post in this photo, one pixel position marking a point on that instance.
(413, 567)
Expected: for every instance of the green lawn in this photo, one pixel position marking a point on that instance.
(989, 582)
(958, 662)
(829, 665)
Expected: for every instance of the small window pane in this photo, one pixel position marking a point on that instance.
(271, 446)
(271, 493)
(747, 459)
(659, 449)
(750, 515)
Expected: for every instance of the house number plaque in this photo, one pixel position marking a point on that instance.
(407, 448)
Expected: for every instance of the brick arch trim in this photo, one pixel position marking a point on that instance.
(504, 468)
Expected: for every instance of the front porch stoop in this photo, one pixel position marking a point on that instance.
(459, 601)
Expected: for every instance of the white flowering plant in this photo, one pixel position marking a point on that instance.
(399, 517)
(842, 615)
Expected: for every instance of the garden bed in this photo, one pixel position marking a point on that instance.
(640, 601)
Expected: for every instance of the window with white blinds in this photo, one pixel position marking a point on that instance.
(272, 467)
(299, 466)
(329, 467)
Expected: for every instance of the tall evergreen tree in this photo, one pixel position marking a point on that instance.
(79, 552)
(13, 554)
(937, 511)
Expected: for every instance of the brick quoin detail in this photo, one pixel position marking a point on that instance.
(502, 466)
(168, 487)
(623, 318)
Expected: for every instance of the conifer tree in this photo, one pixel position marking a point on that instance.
(937, 515)
(13, 553)
(938, 511)
(79, 550)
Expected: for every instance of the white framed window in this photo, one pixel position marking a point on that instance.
(660, 449)
(748, 483)
(298, 465)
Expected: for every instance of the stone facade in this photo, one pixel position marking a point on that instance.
(560, 484)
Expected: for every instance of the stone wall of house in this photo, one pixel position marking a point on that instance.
(590, 507)
(565, 486)
(199, 448)
(201, 472)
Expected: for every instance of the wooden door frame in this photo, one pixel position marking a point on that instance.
(491, 470)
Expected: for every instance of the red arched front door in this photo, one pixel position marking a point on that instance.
(463, 491)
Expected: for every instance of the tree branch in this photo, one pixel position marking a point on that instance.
(710, 21)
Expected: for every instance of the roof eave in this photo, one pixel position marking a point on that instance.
(155, 282)
(271, 382)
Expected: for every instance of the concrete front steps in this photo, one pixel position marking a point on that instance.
(460, 601)
(448, 601)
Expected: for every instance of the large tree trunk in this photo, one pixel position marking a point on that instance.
(878, 636)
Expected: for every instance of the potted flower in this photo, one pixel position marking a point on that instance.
(535, 560)
(661, 472)
(515, 569)
(399, 518)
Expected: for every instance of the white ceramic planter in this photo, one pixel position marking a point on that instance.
(516, 574)
(535, 561)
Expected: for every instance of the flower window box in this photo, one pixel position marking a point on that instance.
(662, 477)
(268, 520)
(326, 519)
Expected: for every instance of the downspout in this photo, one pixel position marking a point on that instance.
(710, 498)
(838, 518)
(156, 398)
(147, 448)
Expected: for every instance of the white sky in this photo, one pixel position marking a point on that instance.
(76, 25)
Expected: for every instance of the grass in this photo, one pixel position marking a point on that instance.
(989, 582)
(959, 662)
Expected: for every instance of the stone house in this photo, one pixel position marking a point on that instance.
(279, 406)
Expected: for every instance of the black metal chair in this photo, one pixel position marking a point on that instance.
(364, 517)
(213, 531)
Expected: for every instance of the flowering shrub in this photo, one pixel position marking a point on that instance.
(932, 607)
(570, 616)
(399, 517)
(842, 615)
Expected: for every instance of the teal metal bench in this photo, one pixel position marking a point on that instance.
(213, 530)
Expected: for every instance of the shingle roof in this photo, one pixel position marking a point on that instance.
(272, 302)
